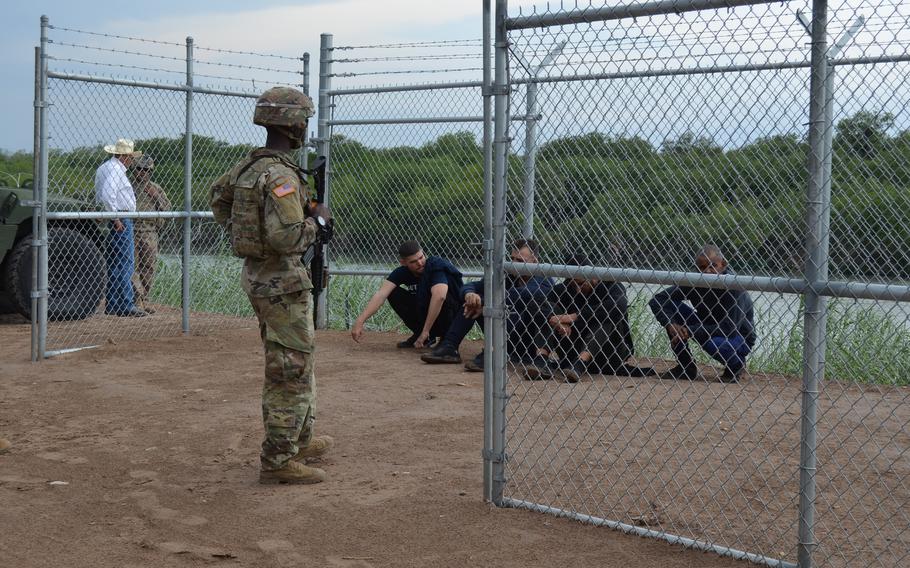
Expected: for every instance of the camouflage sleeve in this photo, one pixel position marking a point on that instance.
(287, 229)
(221, 199)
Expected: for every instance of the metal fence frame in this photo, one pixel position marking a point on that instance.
(814, 285)
(42, 215)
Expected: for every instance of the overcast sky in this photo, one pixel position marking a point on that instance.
(732, 109)
(271, 26)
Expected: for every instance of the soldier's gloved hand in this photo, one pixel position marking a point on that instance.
(320, 210)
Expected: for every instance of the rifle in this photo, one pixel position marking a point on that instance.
(318, 270)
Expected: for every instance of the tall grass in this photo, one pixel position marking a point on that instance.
(866, 342)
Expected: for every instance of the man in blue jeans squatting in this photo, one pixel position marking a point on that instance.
(721, 321)
(524, 296)
(114, 192)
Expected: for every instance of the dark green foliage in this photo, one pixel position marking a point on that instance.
(617, 197)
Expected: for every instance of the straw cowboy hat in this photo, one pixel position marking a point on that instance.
(121, 147)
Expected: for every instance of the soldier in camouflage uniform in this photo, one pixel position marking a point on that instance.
(263, 205)
(149, 197)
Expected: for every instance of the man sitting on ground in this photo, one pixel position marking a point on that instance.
(425, 292)
(588, 330)
(722, 321)
(524, 295)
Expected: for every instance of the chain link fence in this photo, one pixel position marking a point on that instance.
(722, 360)
(406, 163)
(191, 114)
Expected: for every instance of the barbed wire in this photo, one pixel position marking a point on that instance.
(431, 44)
(251, 67)
(410, 58)
(253, 53)
(122, 52)
(407, 72)
(114, 36)
(118, 65)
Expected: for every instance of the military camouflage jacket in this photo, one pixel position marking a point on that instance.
(145, 202)
(286, 231)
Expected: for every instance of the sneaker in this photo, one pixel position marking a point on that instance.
(575, 372)
(730, 376)
(475, 365)
(539, 369)
(633, 371)
(680, 373)
(445, 353)
(317, 447)
(292, 472)
(408, 343)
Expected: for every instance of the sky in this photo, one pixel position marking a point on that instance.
(277, 27)
(733, 109)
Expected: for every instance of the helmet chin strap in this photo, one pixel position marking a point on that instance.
(296, 142)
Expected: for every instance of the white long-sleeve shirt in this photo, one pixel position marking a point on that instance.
(113, 189)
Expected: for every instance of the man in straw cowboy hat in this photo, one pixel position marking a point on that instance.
(114, 192)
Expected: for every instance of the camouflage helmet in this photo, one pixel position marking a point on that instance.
(283, 106)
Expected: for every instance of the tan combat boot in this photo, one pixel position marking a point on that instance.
(293, 472)
(5, 445)
(318, 446)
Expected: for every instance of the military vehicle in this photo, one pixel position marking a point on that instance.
(76, 265)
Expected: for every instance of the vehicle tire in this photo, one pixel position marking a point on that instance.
(76, 275)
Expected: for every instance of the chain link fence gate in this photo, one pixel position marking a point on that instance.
(193, 129)
(653, 130)
(405, 162)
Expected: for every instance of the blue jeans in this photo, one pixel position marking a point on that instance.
(120, 265)
(730, 351)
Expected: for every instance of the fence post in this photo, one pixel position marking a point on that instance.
(41, 191)
(487, 256)
(497, 307)
(323, 148)
(530, 158)
(187, 186)
(303, 155)
(818, 213)
(37, 212)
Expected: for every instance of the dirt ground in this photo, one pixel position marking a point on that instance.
(145, 453)
(157, 444)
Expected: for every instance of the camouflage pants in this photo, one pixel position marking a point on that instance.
(146, 243)
(289, 391)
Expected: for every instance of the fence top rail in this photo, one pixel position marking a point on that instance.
(623, 12)
(78, 215)
(147, 84)
(406, 88)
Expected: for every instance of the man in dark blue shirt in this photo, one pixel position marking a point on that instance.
(721, 321)
(524, 294)
(425, 292)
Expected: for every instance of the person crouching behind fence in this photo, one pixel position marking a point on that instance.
(524, 296)
(722, 321)
(588, 330)
(425, 292)
(149, 197)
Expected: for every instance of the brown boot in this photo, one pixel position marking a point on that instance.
(293, 472)
(5, 445)
(318, 446)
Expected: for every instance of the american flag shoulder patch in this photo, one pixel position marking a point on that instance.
(284, 190)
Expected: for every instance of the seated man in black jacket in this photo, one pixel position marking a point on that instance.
(425, 292)
(588, 330)
(721, 321)
(524, 294)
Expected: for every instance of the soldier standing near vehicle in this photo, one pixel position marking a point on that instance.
(149, 197)
(263, 204)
